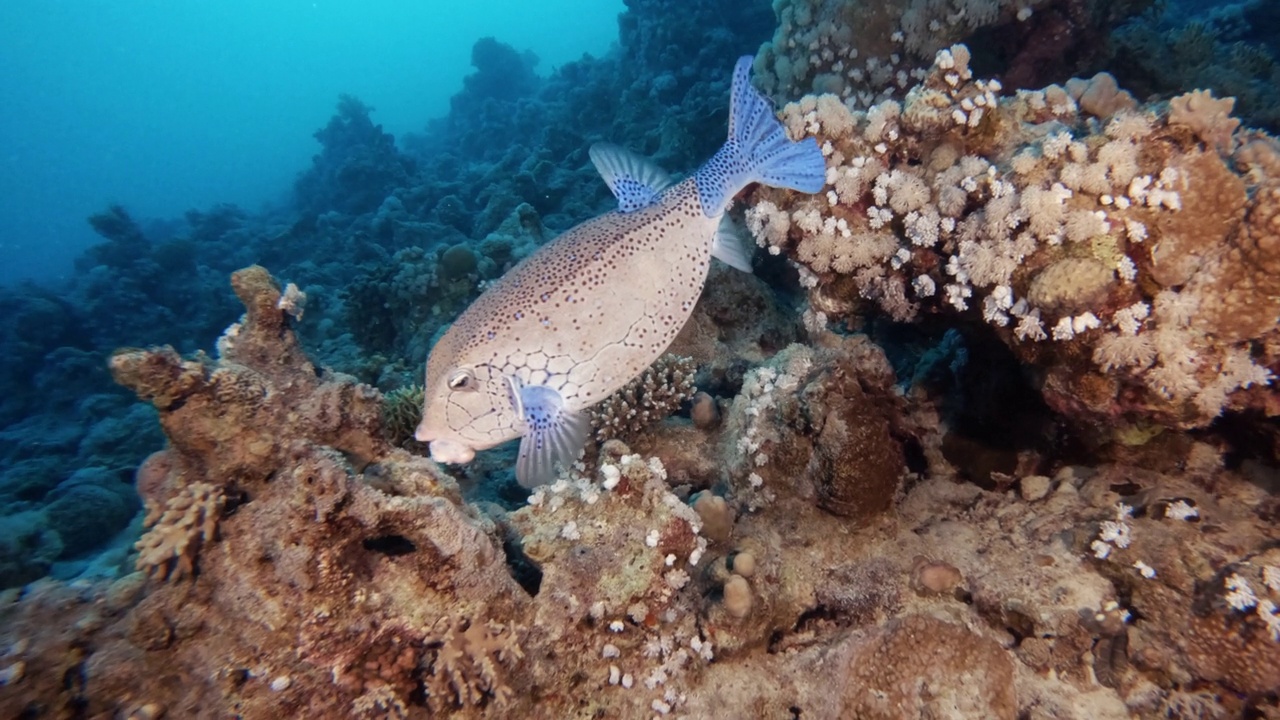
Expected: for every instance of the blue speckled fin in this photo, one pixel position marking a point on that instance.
(553, 436)
(732, 245)
(758, 150)
(634, 180)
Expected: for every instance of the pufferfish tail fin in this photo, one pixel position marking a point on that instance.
(758, 150)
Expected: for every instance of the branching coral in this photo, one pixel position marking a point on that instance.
(465, 669)
(401, 413)
(187, 523)
(1221, 47)
(648, 399)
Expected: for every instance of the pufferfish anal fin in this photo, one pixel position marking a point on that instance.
(732, 245)
(634, 180)
(553, 436)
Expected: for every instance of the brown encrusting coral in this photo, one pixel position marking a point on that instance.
(303, 566)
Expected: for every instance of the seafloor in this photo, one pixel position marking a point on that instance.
(991, 432)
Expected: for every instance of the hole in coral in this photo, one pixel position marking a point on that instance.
(982, 386)
(1254, 713)
(1126, 489)
(1019, 625)
(815, 618)
(775, 641)
(233, 498)
(1249, 443)
(914, 455)
(74, 681)
(389, 545)
(524, 571)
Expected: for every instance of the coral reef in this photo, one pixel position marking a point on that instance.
(868, 52)
(360, 584)
(390, 241)
(1118, 253)
(358, 166)
(990, 432)
(1224, 47)
(824, 424)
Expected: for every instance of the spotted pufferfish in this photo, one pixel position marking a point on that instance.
(588, 312)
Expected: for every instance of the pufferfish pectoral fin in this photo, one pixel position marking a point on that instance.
(635, 181)
(553, 435)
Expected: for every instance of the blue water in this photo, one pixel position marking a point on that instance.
(167, 106)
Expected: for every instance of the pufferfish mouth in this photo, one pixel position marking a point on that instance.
(423, 434)
(448, 451)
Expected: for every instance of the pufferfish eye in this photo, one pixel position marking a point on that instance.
(462, 380)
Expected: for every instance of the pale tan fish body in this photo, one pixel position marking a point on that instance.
(585, 313)
(589, 311)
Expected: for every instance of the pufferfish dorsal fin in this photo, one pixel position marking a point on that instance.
(553, 436)
(634, 180)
